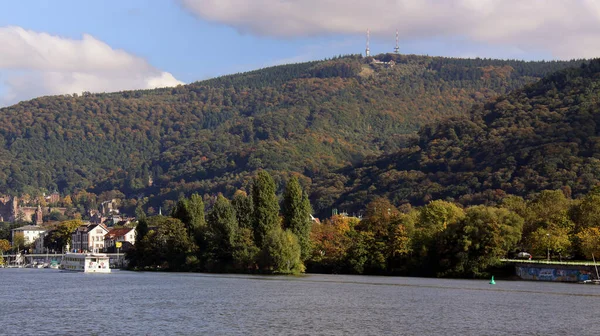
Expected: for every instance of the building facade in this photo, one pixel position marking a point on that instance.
(32, 234)
(88, 238)
(126, 236)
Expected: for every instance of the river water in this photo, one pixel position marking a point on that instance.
(51, 302)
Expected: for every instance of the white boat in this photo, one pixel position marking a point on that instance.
(85, 262)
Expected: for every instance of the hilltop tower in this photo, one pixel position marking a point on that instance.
(397, 48)
(367, 50)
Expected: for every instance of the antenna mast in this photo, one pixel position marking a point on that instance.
(397, 48)
(368, 51)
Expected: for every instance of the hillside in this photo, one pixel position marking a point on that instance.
(544, 136)
(210, 136)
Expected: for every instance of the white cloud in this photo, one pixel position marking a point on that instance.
(36, 63)
(565, 29)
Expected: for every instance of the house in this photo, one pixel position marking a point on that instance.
(32, 234)
(124, 235)
(89, 237)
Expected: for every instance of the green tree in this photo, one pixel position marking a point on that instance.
(266, 207)
(432, 221)
(222, 234)
(549, 209)
(281, 253)
(245, 252)
(242, 204)
(169, 246)
(478, 241)
(191, 213)
(196, 215)
(586, 213)
(61, 237)
(296, 215)
(437, 215)
(136, 254)
(555, 240)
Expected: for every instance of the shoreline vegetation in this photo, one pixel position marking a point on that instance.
(253, 234)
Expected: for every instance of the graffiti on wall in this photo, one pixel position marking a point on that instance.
(552, 274)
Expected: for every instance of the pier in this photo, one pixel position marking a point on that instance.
(116, 259)
(558, 271)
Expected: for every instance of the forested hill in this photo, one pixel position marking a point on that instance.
(545, 136)
(211, 136)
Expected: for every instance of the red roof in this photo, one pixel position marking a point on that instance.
(113, 233)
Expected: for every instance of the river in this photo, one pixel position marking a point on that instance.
(51, 302)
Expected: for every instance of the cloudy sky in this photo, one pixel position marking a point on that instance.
(69, 46)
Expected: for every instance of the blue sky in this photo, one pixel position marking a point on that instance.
(166, 42)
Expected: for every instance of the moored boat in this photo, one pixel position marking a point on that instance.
(85, 262)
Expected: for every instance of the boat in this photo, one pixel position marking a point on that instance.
(85, 262)
(54, 264)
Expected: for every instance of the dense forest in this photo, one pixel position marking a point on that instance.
(258, 233)
(544, 136)
(213, 136)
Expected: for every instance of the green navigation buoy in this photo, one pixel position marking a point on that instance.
(492, 282)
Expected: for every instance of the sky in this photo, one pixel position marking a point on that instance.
(50, 47)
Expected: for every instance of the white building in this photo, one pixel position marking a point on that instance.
(89, 238)
(31, 234)
(124, 235)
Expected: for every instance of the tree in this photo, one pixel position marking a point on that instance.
(245, 251)
(67, 202)
(281, 253)
(242, 205)
(433, 220)
(141, 229)
(589, 242)
(4, 245)
(18, 242)
(437, 215)
(549, 240)
(478, 241)
(330, 242)
(191, 213)
(586, 213)
(61, 237)
(136, 254)
(168, 247)
(378, 217)
(266, 207)
(296, 215)
(400, 243)
(222, 234)
(549, 209)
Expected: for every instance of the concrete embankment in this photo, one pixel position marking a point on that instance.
(558, 272)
